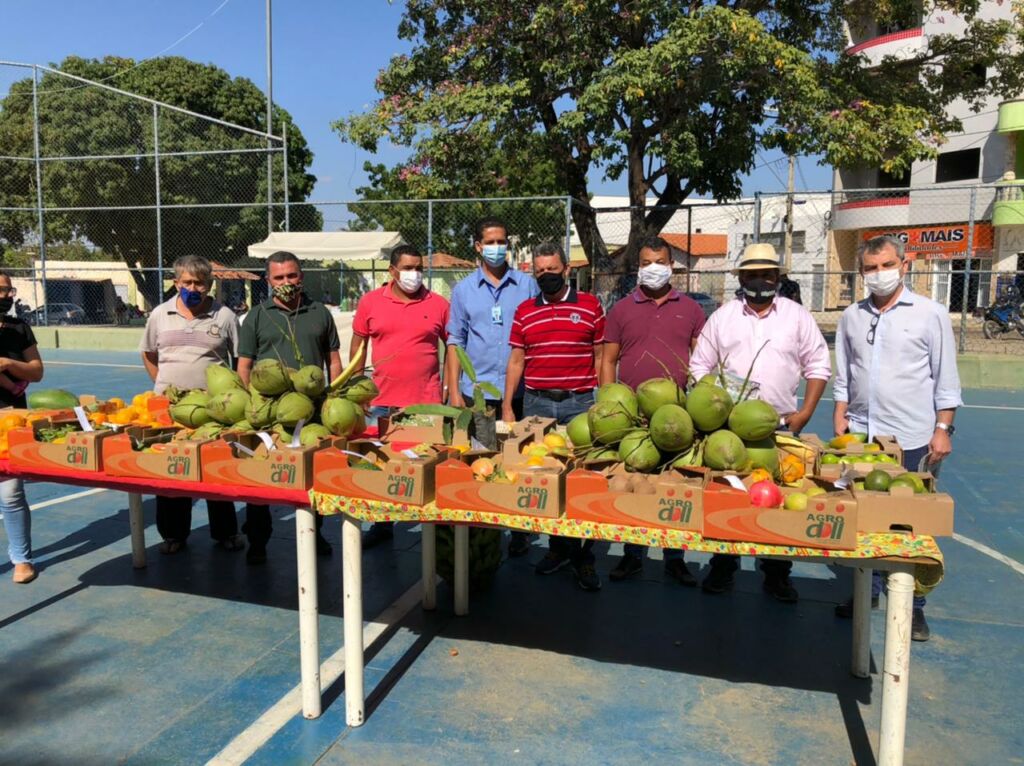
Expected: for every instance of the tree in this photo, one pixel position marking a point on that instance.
(677, 98)
(79, 120)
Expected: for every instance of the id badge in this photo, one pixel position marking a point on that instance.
(495, 314)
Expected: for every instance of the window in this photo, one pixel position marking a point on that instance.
(957, 166)
(886, 180)
(777, 239)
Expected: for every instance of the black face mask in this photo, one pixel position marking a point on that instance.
(551, 283)
(759, 290)
(5, 304)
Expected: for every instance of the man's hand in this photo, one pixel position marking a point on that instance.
(4, 364)
(940, 447)
(507, 414)
(455, 397)
(797, 420)
(840, 423)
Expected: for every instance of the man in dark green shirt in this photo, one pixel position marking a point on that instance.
(296, 330)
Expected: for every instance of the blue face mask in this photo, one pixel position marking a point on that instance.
(495, 254)
(191, 298)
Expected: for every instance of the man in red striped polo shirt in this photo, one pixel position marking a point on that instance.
(556, 349)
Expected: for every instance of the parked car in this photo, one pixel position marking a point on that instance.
(706, 302)
(57, 313)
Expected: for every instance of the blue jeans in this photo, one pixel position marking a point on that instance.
(17, 521)
(912, 459)
(572, 548)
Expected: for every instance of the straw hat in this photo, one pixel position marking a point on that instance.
(759, 256)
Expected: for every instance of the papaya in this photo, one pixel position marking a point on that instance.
(52, 399)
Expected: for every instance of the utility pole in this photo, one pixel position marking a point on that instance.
(789, 215)
(270, 126)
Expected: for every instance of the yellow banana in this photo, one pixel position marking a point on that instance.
(357, 361)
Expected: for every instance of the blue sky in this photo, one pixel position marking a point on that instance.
(326, 56)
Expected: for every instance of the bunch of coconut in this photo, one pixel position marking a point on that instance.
(659, 425)
(276, 400)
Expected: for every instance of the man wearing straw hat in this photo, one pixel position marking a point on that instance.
(778, 343)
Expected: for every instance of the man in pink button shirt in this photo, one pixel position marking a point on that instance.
(791, 347)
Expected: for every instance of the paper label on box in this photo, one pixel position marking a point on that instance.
(735, 483)
(83, 421)
(296, 443)
(411, 454)
(268, 442)
(245, 450)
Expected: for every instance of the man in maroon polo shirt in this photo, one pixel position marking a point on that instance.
(556, 344)
(650, 334)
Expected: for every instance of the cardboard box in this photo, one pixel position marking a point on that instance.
(535, 491)
(422, 429)
(81, 450)
(406, 477)
(174, 459)
(900, 509)
(829, 521)
(672, 500)
(535, 425)
(281, 468)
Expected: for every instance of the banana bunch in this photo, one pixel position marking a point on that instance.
(791, 445)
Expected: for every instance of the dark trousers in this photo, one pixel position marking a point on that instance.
(258, 524)
(770, 567)
(174, 518)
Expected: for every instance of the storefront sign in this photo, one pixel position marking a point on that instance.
(943, 242)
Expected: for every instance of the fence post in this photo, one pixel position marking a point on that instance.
(159, 221)
(757, 216)
(430, 244)
(689, 244)
(967, 271)
(568, 230)
(287, 209)
(39, 189)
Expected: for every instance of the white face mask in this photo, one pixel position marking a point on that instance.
(883, 283)
(410, 281)
(655, 276)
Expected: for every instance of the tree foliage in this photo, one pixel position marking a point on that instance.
(78, 120)
(674, 98)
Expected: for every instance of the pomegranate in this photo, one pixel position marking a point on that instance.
(765, 494)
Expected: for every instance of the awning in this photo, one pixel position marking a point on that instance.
(329, 245)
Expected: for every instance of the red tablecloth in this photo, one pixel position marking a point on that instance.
(197, 489)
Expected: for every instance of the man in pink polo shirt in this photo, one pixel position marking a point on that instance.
(793, 348)
(402, 322)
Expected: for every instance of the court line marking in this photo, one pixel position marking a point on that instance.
(962, 407)
(66, 498)
(245, 745)
(1016, 566)
(93, 364)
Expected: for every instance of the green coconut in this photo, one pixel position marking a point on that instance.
(639, 452)
(711, 379)
(219, 380)
(361, 390)
(579, 431)
(762, 453)
(270, 378)
(309, 380)
(260, 411)
(608, 422)
(724, 451)
(341, 417)
(672, 428)
(293, 407)
(242, 425)
(312, 433)
(605, 453)
(657, 392)
(620, 393)
(190, 410)
(689, 458)
(753, 419)
(228, 408)
(209, 430)
(709, 407)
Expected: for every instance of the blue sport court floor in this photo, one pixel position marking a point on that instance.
(193, 659)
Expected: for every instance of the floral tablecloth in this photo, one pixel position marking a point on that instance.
(928, 572)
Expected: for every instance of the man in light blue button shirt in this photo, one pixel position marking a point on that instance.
(896, 373)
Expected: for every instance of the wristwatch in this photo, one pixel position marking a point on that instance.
(949, 428)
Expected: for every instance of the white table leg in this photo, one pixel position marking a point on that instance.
(861, 666)
(309, 619)
(896, 668)
(352, 563)
(461, 570)
(428, 544)
(138, 530)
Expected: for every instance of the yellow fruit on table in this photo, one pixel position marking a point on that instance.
(814, 491)
(535, 461)
(538, 450)
(11, 421)
(555, 441)
(873, 447)
(139, 400)
(512, 476)
(760, 474)
(844, 441)
(116, 401)
(482, 467)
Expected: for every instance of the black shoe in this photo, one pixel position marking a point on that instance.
(628, 566)
(518, 544)
(919, 630)
(256, 555)
(323, 548)
(718, 580)
(551, 563)
(781, 589)
(377, 534)
(845, 609)
(586, 576)
(678, 571)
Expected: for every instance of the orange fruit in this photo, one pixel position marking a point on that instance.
(11, 421)
(98, 418)
(116, 401)
(482, 466)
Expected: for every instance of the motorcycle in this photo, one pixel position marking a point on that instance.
(1003, 317)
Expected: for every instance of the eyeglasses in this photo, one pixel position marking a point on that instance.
(871, 329)
(12, 291)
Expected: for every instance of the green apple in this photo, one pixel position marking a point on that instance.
(795, 501)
